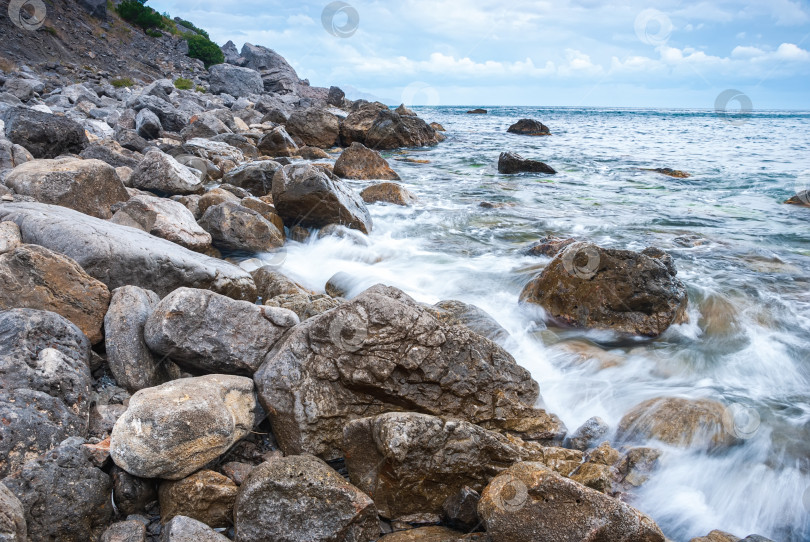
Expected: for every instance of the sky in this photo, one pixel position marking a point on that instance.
(532, 52)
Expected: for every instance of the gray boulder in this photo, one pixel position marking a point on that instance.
(231, 53)
(44, 135)
(12, 517)
(214, 333)
(23, 88)
(118, 255)
(235, 227)
(384, 352)
(174, 429)
(277, 74)
(158, 172)
(255, 177)
(185, 529)
(88, 186)
(233, 80)
(125, 531)
(278, 143)
(147, 124)
(302, 499)
(306, 196)
(335, 97)
(163, 218)
(171, 118)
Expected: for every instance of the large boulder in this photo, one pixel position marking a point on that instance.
(233, 80)
(65, 497)
(112, 153)
(393, 193)
(301, 499)
(355, 126)
(214, 333)
(44, 384)
(164, 218)
(172, 118)
(236, 227)
(48, 281)
(384, 352)
(277, 74)
(174, 429)
(688, 423)
(529, 127)
(391, 131)
(88, 186)
(528, 501)
(277, 142)
(119, 255)
(255, 177)
(306, 196)
(511, 162)
(43, 134)
(147, 124)
(412, 463)
(206, 496)
(12, 517)
(593, 287)
(130, 361)
(314, 127)
(158, 172)
(360, 162)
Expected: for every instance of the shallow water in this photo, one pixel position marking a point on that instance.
(747, 270)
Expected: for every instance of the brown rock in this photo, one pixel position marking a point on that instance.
(206, 496)
(388, 193)
(716, 536)
(10, 237)
(313, 127)
(358, 122)
(549, 246)
(235, 227)
(592, 287)
(215, 196)
(277, 143)
(312, 153)
(436, 126)
(431, 534)
(236, 471)
(360, 162)
(37, 278)
(125, 531)
(402, 110)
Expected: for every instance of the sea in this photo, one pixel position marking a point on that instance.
(743, 254)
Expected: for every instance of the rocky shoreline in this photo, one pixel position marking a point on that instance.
(153, 389)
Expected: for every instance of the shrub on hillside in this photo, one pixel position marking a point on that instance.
(183, 84)
(135, 12)
(204, 49)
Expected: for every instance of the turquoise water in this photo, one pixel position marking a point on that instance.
(743, 254)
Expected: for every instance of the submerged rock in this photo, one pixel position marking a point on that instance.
(478, 111)
(511, 162)
(801, 198)
(301, 499)
(592, 287)
(529, 127)
(174, 429)
(360, 162)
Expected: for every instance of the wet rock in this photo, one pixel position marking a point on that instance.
(669, 172)
(314, 127)
(801, 198)
(342, 232)
(158, 172)
(9, 237)
(360, 162)
(511, 162)
(592, 287)
(48, 281)
(132, 494)
(381, 352)
(44, 135)
(183, 529)
(64, 496)
(588, 433)
(478, 111)
(530, 502)
(163, 218)
(277, 143)
(391, 131)
(411, 463)
(340, 284)
(255, 177)
(88, 186)
(388, 193)
(233, 80)
(306, 196)
(300, 498)
(12, 517)
(213, 333)
(131, 362)
(174, 429)
(266, 210)
(460, 510)
(235, 227)
(636, 466)
(529, 127)
(147, 124)
(438, 127)
(125, 531)
(119, 256)
(456, 312)
(688, 423)
(549, 246)
(206, 496)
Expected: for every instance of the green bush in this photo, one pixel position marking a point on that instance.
(154, 33)
(190, 25)
(122, 82)
(135, 12)
(204, 49)
(183, 83)
(201, 89)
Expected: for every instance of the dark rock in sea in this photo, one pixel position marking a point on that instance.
(314, 127)
(477, 111)
(300, 498)
(511, 162)
(801, 198)
(355, 126)
(529, 127)
(528, 501)
(630, 292)
(278, 143)
(88, 186)
(236, 227)
(184, 529)
(118, 256)
(671, 172)
(174, 429)
(360, 162)
(306, 196)
(717, 536)
(206, 496)
(393, 193)
(64, 496)
(213, 333)
(233, 80)
(42, 134)
(48, 281)
(549, 246)
(391, 131)
(486, 387)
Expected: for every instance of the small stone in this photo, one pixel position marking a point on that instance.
(206, 496)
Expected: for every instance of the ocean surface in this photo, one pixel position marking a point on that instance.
(743, 254)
